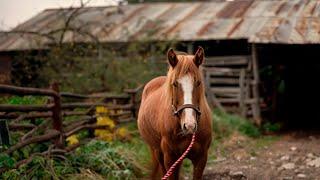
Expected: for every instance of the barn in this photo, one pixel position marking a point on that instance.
(262, 56)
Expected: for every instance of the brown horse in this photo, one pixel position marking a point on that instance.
(173, 107)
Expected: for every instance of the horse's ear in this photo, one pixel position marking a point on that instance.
(172, 58)
(199, 56)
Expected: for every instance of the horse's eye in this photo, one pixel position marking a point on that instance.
(175, 84)
(197, 84)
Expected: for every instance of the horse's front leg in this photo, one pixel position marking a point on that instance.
(199, 163)
(169, 159)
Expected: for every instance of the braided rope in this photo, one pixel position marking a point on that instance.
(173, 166)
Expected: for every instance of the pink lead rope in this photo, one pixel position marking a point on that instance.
(173, 166)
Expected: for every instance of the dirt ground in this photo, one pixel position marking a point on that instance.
(291, 155)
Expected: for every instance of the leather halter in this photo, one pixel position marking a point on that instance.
(177, 111)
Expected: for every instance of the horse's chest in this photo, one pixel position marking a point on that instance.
(180, 145)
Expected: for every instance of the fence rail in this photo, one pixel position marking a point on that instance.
(55, 112)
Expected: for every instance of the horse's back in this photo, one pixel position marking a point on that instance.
(152, 86)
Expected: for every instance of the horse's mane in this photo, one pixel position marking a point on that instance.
(185, 66)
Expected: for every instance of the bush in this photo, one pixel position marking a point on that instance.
(271, 127)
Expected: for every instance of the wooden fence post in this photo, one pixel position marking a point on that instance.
(133, 102)
(256, 82)
(4, 133)
(57, 115)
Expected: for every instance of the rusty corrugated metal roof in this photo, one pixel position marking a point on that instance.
(259, 21)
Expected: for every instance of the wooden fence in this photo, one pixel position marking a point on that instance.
(59, 106)
(231, 84)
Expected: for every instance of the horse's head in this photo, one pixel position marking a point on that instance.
(186, 87)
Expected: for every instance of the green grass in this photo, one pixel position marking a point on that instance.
(20, 100)
(226, 124)
(265, 141)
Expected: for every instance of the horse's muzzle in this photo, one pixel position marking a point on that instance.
(189, 128)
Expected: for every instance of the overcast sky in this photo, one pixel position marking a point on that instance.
(14, 12)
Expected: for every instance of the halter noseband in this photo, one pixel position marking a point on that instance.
(177, 111)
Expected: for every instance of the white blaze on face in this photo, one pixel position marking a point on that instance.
(187, 88)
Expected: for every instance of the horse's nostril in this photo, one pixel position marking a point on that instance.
(184, 127)
(195, 127)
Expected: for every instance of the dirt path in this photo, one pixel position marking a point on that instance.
(284, 157)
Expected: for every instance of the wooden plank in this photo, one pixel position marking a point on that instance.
(227, 95)
(57, 116)
(89, 105)
(256, 105)
(227, 61)
(36, 139)
(106, 96)
(225, 89)
(251, 101)
(26, 91)
(212, 98)
(228, 100)
(14, 126)
(24, 108)
(33, 115)
(223, 80)
(220, 71)
(242, 93)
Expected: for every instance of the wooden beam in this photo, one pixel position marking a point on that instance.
(87, 105)
(223, 90)
(223, 71)
(105, 96)
(256, 95)
(213, 101)
(4, 133)
(24, 108)
(190, 49)
(36, 139)
(57, 116)
(26, 90)
(242, 93)
(224, 80)
(227, 61)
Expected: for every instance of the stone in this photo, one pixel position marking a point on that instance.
(271, 162)
(301, 175)
(253, 158)
(219, 159)
(310, 155)
(285, 158)
(314, 163)
(293, 148)
(288, 166)
(236, 174)
(287, 178)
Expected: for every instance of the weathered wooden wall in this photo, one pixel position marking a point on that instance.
(5, 69)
